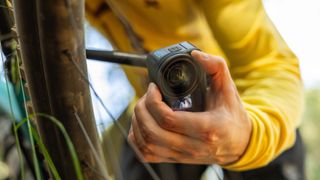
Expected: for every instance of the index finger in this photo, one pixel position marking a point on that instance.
(193, 124)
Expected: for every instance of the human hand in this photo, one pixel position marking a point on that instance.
(218, 135)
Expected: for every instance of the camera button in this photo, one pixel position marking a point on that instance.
(174, 49)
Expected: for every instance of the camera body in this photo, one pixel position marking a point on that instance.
(180, 78)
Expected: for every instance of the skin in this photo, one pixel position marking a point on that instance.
(219, 135)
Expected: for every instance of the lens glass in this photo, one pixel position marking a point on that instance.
(180, 77)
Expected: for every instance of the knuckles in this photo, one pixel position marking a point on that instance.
(150, 158)
(211, 137)
(151, 102)
(148, 135)
(139, 107)
(146, 148)
(222, 65)
(166, 120)
(221, 62)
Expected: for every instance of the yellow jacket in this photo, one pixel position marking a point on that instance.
(263, 67)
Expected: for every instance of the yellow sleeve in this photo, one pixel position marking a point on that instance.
(266, 74)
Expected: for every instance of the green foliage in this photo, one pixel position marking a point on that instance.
(71, 148)
(310, 129)
(45, 152)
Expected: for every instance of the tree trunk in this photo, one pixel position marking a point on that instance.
(51, 38)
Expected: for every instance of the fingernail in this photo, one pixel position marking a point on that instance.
(201, 54)
(151, 86)
(204, 55)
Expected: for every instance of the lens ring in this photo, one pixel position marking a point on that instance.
(178, 75)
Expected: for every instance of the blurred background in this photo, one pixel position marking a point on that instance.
(298, 21)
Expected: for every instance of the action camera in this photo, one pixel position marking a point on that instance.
(180, 78)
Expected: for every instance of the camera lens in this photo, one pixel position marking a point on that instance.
(179, 77)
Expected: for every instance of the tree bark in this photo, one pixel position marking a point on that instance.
(51, 36)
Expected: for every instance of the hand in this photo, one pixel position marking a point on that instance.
(218, 135)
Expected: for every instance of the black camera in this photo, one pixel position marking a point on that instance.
(180, 78)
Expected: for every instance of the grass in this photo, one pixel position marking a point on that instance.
(44, 150)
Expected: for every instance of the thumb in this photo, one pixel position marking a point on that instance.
(217, 69)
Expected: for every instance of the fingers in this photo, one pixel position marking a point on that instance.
(213, 65)
(164, 135)
(143, 155)
(148, 148)
(217, 68)
(153, 134)
(160, 111)
(196, 125)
